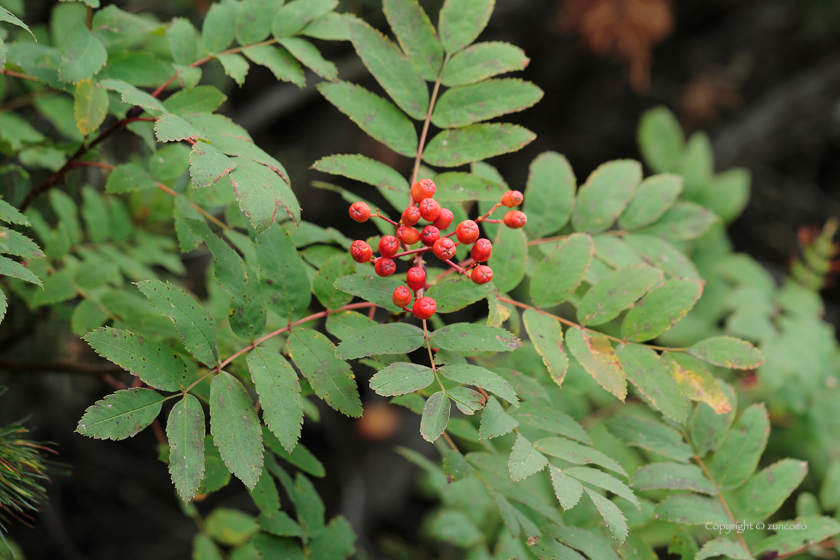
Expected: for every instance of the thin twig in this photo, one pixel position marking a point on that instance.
(426, 123)
(19, 75)
(720, 498)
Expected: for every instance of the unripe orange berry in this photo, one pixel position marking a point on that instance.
(444, 248)
(411, 215)
(430, 209)
(482, 274)
(389, 246)
(512, 198)
(360, 251)
(480, 252)
(515, 219)
(424, 307)
(423, 189)
(408, 235)
(416, 278)
(429, 235)
(384, 266)
(467, 232)
(444, 220)
(360, 211)
(401, 297)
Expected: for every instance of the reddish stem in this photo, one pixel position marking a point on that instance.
(456, 267)
(412, 252)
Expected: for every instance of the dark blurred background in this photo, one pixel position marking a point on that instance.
(761, 76)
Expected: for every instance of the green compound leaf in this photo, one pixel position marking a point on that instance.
(605, 195)
(82, 55)
(253, 22)
(279, 523)
(133, 96)
(722, 546)
(260, 191)
(683, 221)
(480, 377)
(655, 195)
(738, 457)
(547, 335)
(217, 33)
(707, 428)
(549, 194)
(596, 355)
(208, 165)
(797, 533)
(661, 254)
(509, 258)
(279, 390)
(672, 476)
(377, 117)
(767, 490)
(551, 420)
(691, 509)
(416, 35)
(477, 142)
(467, 400)
(183, 41)
(435, 416)
(652, 378)
(331, 378)
(284, 280)
(385, 178)
(9, 17)
(195, 325)
(726, 351)
(282, 64)
(660, 309)
(8, 267)
(14, 243)
(236, 428)
(614, 519)
(481, 61)
(90, 106)
(172, 128)
(559, 274)
(323, 285)
(294, 16)
(401, 378)
(455, 186)
(651, 436)
(461, 22)
(464, 105)
(185, 432)
(495, 421)
(576, 453)
(231, 527)
(308, 55)
(200, 99)
(454, 294)
(391, 68)
(524, 460)
(156, 365)
(615, 292)
(605, 481)
(696, 382)
(661, 140)
(374, 289)
(129, 177)
(121, 415)
(334, 542)
(567, 490)
(12, 215)
(391, 338)
(466, 337)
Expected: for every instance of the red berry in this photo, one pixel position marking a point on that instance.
(424, 307)
(384, 266)
(408, 235)
(422, 189)
(444, 248)
(512, 198)
(360, 211)
(360, 251)
(515, 219)
(401, 297)
(416, 278)
(467, 232)
(482, 274)
(411, 215)
(445, 218)
(480, 252)
(430, 209)
(389, 246)
(429, 235)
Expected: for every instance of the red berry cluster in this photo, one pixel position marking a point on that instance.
(424, 207)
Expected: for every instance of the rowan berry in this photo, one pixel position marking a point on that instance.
(416, 278)
(424, 307)
(401, 297)
(482, 274)
(467, 232)
(389, 246)
(422, 189)
(512, 198)
(480, 252)
(444, 248)
(384, 266)
(360, 251)
(430, 209)
(429, 235)
(408, 235)
(515, 219)
(444, 220)
(411, 215)
(360, 211)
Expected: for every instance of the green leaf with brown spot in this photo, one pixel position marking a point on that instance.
(596, 355)
(236, 428)
(577, 454)
(477, 142)
(696, 382)
(605, 195)
(461, 22)
(660, 309)
(481, 377)
(653, 198)
(767, 490)
(416, 35)
(454, 294)
(391, 338)
(323, 285)
(279, 390)
(482, 61)
(388, 181)
(652, 378)
(650, 435)
(464, 105)
(185, 432)
(672, 476)
(727, 351)
(466, 337)
(559, 274)
(457, 186)
(435, 416)
(738, 457)
(401, 378)
(121, 415)
(524, 460)
(615, 292)
(547, 336)
(691, 509)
